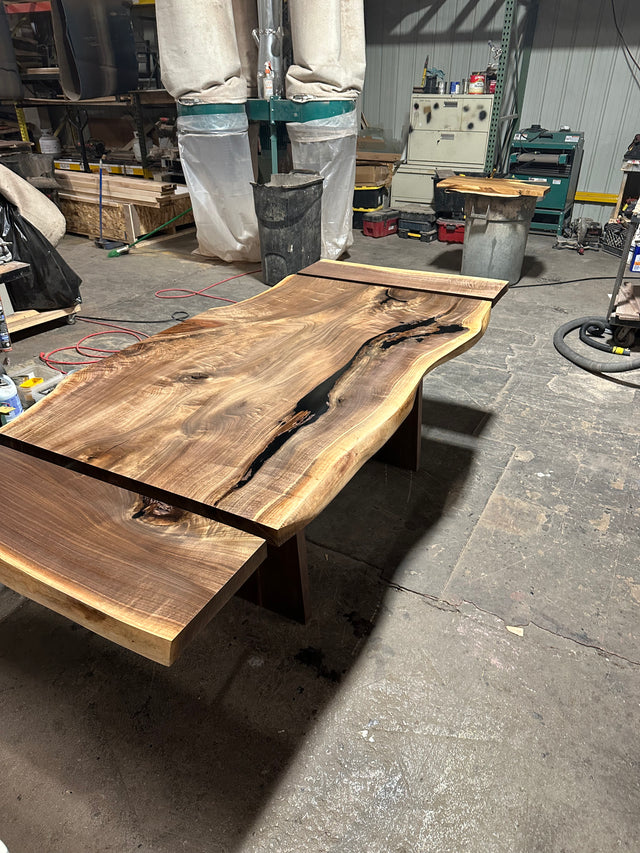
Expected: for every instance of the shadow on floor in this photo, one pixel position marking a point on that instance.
(202, 746)
(387, 517)
(451, 261)
(192, 750)
(467, 420)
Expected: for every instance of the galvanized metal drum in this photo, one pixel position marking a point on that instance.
(495, 235)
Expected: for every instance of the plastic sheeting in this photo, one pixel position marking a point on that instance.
(328, 146)
(207, 52)
(208, 56)
(328, 49)
(216, 161)
(10, 80)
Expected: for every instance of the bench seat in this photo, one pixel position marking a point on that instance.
(137, 572)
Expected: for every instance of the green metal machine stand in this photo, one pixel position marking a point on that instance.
(553, 159)
(277, 110)
(274, 111)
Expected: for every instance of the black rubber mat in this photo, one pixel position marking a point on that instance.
(95, 47)
(10, 82)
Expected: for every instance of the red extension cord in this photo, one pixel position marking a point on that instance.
(92, 355)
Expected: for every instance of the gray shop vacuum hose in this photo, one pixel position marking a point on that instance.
(589, 326)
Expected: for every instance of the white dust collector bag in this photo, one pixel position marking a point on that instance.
(207, 53)
(208, 56)
(216, 160)
(328, 49)
(328, 146)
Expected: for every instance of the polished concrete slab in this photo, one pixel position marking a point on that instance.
(470, 679)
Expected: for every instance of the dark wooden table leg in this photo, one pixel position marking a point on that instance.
(403, 448)
(281, 583)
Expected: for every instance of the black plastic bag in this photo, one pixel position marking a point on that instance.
(633, 151)
(52, 284)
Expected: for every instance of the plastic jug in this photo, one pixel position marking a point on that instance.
(10, 405)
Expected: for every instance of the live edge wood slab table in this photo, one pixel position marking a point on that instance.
(185, 468)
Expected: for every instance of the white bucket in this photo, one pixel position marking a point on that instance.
(49, 144)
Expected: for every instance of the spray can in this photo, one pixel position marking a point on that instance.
(10, 405)
(476, 83)
(5, 339)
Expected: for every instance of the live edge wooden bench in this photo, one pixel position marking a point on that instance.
(151, 487)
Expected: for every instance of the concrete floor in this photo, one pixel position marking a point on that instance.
(470, 680)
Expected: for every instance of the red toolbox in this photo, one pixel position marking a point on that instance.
(450, 231)
(380, 223)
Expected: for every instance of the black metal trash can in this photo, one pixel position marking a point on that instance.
(289, 211)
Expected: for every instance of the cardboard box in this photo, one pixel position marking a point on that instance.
(371, 175)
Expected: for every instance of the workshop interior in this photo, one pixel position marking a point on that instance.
(319, 434)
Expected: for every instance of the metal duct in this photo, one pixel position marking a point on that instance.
(268, 37)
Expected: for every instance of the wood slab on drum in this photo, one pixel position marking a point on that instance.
(259, 413)
(498, 187)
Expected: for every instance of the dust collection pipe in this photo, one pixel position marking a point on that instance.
(268, 37)
(209, 64)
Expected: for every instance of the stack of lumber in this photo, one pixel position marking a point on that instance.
(81, 186)
(131, 206)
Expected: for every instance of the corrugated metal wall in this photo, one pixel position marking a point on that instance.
(454, 34)
(579, 77)
(578, 74)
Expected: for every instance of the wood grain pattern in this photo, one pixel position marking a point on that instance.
(404, 447)
(501, 187)
(127, 571)
(425, 282)
(256, 414)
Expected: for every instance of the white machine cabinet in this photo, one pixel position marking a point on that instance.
(446, 131)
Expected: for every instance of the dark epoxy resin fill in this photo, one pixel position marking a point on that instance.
(313, 405)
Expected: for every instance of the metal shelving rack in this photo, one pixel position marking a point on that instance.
(496, 118)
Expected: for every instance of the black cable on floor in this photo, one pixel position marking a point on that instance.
(174, 317)
(568, 281)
